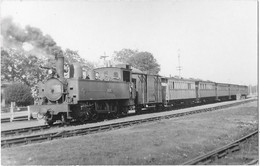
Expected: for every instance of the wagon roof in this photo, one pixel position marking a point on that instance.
(205, 81)
(110, 68)
(181, 79)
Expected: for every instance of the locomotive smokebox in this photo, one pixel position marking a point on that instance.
(77, 70)
(60, 65)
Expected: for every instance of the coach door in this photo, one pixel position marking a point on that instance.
(197, 90)
(134, 90)
(164, 94)
(157, 89)
(164, 88)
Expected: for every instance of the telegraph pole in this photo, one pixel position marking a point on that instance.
(104, 58)
(179, 68)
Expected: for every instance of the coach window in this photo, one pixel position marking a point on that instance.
(172, 85)
(189, 86)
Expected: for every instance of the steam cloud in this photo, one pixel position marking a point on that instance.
(16, 37)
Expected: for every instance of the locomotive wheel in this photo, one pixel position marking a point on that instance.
(64, 118)
(124, 111)
(83, 118)
(104, 116)
(50, 122)
(138, 110)
(114, 114)
(49, 118)
(39, 116)
(159, 108)
(94, 116)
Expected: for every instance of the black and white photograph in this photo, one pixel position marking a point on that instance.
(129, 82)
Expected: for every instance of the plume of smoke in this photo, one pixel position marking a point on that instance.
(15, 36)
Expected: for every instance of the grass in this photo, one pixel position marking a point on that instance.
(165, 142)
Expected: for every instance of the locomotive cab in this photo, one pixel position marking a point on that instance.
(118, 73)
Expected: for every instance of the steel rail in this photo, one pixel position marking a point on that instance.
(8, 142)
(24, 130)
(29, 130)
(220, 152)
(253, 162)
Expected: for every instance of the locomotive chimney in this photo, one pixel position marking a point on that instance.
(60, 66)
(77, 70)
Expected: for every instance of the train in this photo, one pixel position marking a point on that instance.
(115, 91)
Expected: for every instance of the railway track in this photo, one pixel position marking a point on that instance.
(26, 130)
(23, 140)
(221, 152)
(30, 130)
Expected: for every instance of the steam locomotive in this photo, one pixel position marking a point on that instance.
(117, 90)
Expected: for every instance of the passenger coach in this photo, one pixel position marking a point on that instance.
(180, 91)
(206, 91)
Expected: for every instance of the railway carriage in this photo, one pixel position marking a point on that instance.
(234, 91)
(206, 91)
(223, 91)
(148, 90)
(243, 90)
(180, 91)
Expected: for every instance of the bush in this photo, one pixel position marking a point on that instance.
(19, 93)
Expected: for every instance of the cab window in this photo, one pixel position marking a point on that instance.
(126, 76)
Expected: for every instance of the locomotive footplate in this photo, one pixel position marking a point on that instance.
(54, 109)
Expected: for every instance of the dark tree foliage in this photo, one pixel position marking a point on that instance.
(71, 57)
(143, 61)
(124, 55)
(19, 93)
(16, 66)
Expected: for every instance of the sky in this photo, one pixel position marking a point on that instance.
(216, 39)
